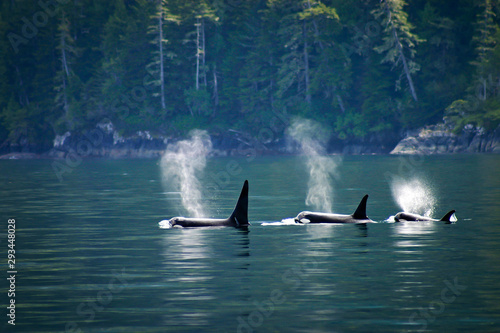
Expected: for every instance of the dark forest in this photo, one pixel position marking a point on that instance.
(359, 67)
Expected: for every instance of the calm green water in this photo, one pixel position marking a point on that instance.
(91, 258)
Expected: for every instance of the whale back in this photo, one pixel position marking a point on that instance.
(360, 212)
(240, 214)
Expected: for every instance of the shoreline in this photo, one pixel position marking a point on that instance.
(218, 154)
(105, 143)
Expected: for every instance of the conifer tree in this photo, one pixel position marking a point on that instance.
(199, 13)
(399, 41)
(306, 35)
(65, 76)
(4, 50)
(257, 79)
(484, 40)
(161, 16)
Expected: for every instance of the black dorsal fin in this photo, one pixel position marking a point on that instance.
(360, 213)
(240, 213)
(448, 216)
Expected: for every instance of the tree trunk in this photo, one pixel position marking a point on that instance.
(483, 97)
(203, 52)
(197, 53)
(216, 89)
(271, 83)
(405, 64)
(162, 80)
(306, 65)
(316, 31)
(64, 64)
(341, 104)
(63, 55)
(400, 49)
(65, 98)
(23, 96)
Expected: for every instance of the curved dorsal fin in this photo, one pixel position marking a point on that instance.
(360, 213)
(447, 216)
(240, 213)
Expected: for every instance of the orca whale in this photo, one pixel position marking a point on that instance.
(402, 216)
(359, 216)
(239, 217)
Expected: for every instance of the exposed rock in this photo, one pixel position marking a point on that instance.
(439, 139)
(19, 156)
(59, 139)
(105, 141)
(379, 143)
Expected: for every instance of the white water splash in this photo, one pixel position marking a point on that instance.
(413, 196)
(287, 221)
(312, 139)
(181, 165)
(165, 224)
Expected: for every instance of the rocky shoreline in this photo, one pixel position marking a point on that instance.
(440, 139)
(105, 142)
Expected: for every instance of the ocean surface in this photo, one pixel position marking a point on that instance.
(90, 256)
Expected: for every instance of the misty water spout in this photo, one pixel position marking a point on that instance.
(312, 139)
(413, 196)
(181, 165)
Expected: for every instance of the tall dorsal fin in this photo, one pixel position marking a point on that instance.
(240, 213)
(447, 216)
(360, 213)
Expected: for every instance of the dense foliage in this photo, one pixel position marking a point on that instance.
(357, 66)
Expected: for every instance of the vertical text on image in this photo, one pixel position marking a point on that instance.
(11, 272)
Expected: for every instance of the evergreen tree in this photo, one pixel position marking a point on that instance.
(484, 40)
(199, 13)
(399, 41)
(294, 63)
(113, 67)
(161, 16)
(65, 77)
(257, 79)
(4, 50)
(442, 55)
(310, 66)
(234, 64)
(330, 71)
(127, 54)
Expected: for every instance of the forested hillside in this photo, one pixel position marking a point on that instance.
(360, 67)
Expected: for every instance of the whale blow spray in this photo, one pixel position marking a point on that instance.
(312, 139)
(413, 196)
(181, 164)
